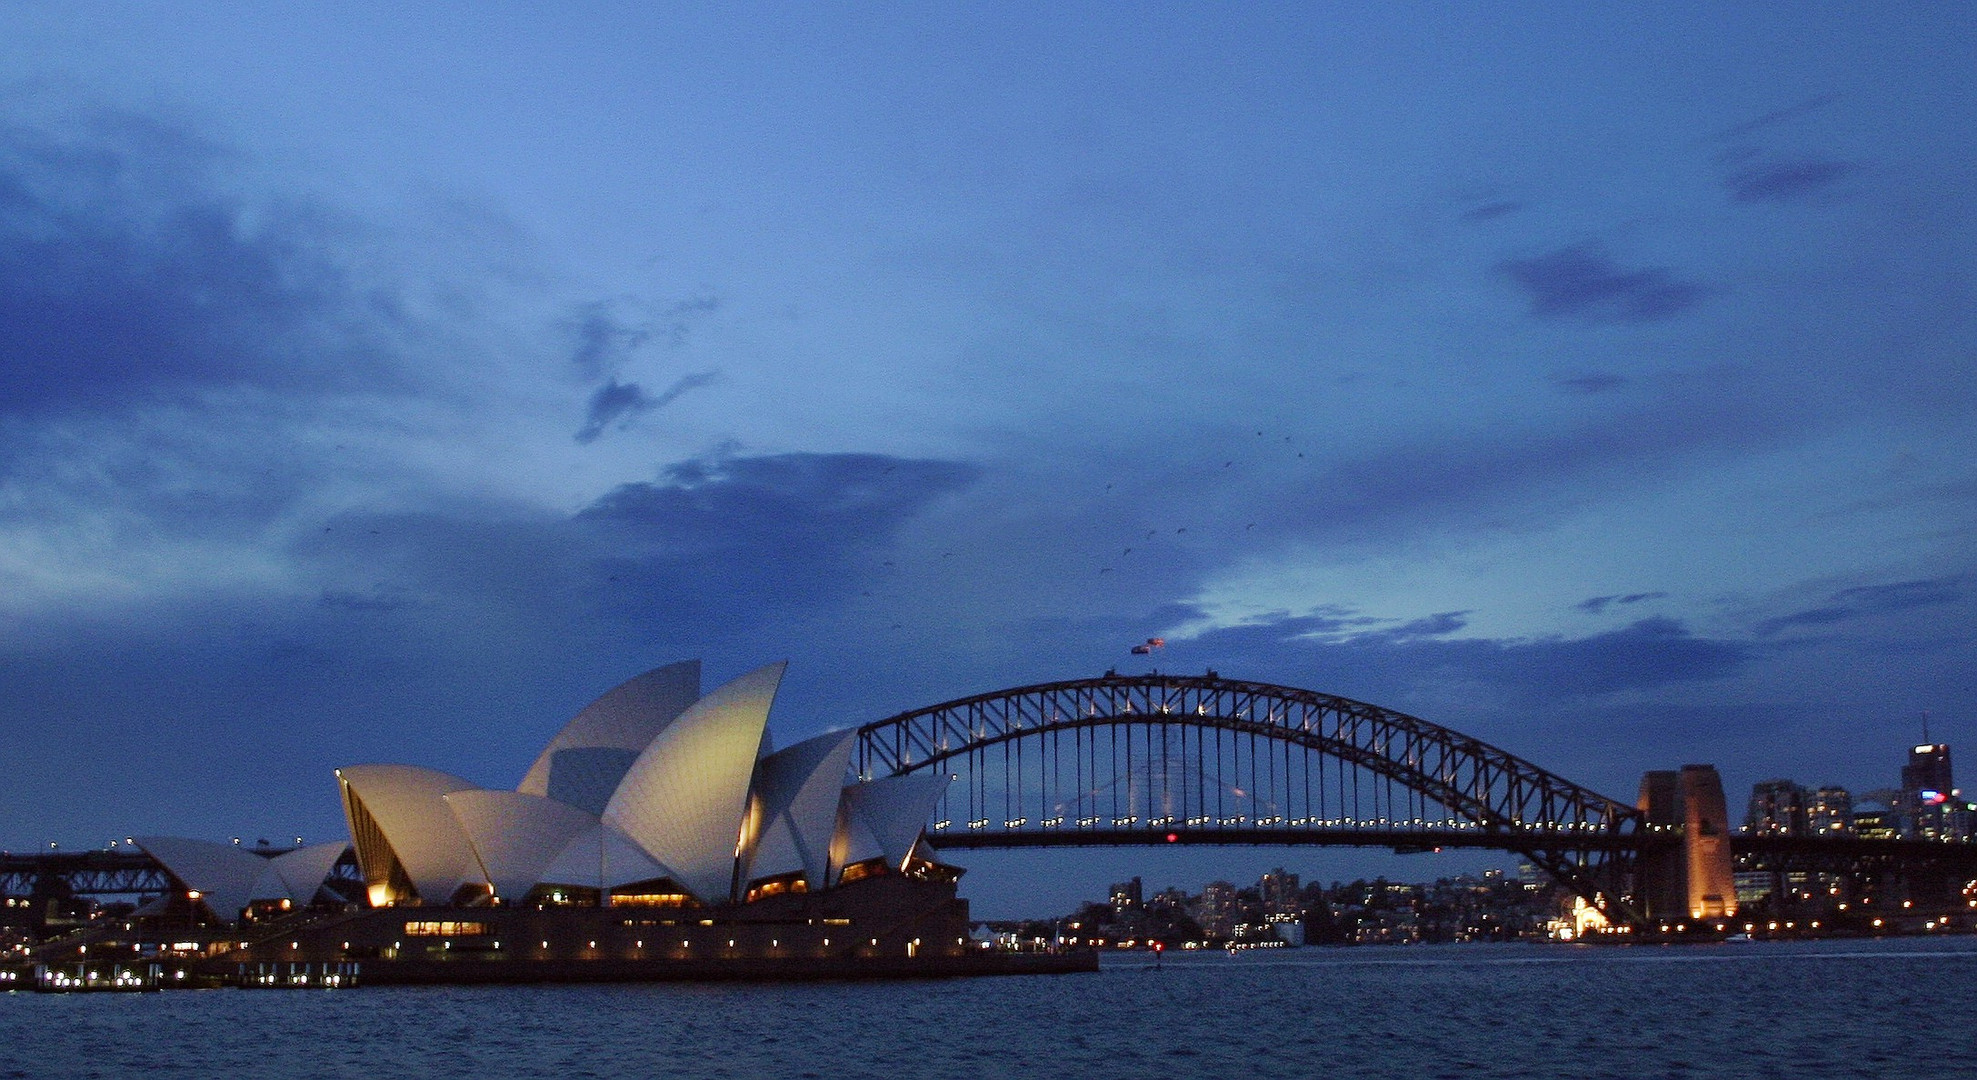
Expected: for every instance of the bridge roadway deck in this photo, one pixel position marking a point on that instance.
(1405, 840)
(134, 872)
(87, 872)
(1785, 853)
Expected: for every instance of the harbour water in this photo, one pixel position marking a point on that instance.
(1883, 1008)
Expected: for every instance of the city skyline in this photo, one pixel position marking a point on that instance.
(384, 385)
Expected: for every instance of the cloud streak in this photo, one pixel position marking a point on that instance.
(1581, 283)
(1865, 601)
(1785, 181)
(621, 403)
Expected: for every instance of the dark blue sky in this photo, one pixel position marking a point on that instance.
(380, 385)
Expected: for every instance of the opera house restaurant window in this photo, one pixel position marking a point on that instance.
(448, 928)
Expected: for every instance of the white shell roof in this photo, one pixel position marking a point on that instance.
(683, 800)
(887, 815)
(302, 872)
(601, 857)
(794, 808)
(516, 836)
(585, 776)
(409, 806)
(222, 874)
(625, 718)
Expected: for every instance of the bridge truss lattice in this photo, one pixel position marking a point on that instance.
(1154, 759)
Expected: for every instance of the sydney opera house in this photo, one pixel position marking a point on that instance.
(657, 835)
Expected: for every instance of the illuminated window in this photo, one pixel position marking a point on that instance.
(868, 868)
(653, 899)
(448, 928)
(776, 886)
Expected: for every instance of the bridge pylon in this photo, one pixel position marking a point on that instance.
(1692, 880)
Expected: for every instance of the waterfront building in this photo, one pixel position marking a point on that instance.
(653, 795)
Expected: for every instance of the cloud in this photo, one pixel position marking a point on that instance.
(129, 275)
(1471, 482)
(1649, 653)
(1863, 601)
(1582, 283)
(1597, 604)
(1491, 211)
(620, 403)
(1440, 624)
(604, 339)
(603, 342)
(773, 530)
(1784, 181)
(1419, 661)
(379, 598)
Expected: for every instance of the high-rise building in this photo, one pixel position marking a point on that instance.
(1830, 813)
(1127, 895)
(1872, 822)
(1777, 808)
(1217, 909)
(1926, 788)
(1279, 891)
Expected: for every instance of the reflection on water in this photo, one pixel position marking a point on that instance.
(1784, 1009)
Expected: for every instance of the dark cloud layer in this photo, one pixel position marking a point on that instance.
(770, 530)
(128, 275)
(1581, 283)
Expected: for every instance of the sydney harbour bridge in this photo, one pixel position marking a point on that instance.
(1160, 759)
(1168, 759)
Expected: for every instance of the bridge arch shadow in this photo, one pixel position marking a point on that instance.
(1169, 759)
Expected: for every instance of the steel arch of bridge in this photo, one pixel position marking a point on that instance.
(1153, 759)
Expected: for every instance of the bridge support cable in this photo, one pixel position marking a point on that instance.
(1395, 780)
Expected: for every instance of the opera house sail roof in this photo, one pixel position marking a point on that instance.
(583, 764)
(793, 809)
(682, 801)
(408, 841)
(654, 788)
